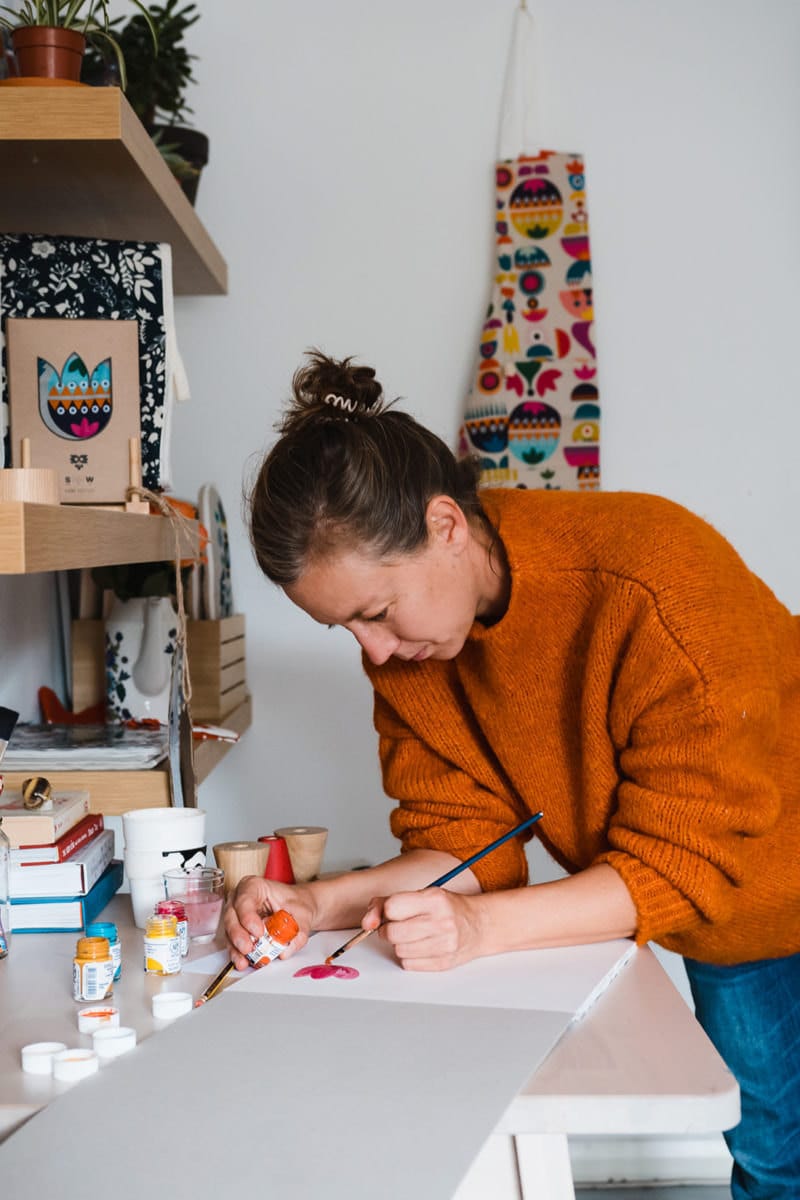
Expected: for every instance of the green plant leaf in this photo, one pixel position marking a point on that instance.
(112, 42)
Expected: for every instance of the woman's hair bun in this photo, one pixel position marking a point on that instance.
(336, 388)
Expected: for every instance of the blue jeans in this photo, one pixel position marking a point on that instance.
(751, 1013)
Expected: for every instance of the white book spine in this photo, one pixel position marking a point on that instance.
(75, 877)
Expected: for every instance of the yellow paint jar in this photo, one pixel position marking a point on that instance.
(92, 969)
(162, 945)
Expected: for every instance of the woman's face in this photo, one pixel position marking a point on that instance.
(414, 606)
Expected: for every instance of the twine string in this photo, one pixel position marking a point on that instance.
(182, 529)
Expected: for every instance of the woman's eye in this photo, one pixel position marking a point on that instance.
(381, 616)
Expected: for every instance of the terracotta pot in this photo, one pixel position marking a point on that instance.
(48, 52)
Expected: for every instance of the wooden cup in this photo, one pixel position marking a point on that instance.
(238, 859)
(306, 845)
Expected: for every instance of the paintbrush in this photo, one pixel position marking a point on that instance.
(215, 985)
(364, 933)
(8, 719)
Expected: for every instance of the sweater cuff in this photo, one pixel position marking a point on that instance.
(661, 909)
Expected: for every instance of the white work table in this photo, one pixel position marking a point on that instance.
(637, 1063)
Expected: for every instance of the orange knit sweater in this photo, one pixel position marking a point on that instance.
(643, 688)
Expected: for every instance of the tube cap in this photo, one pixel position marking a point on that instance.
(37, 1058)
(282, 926)
(169, 1005)
(97, 1016)
(110, 1043)
(71, 1065)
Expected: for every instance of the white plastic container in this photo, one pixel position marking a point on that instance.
(37, 1057)
(97, 1016)
(111, 1043)
(169, 1005)
(71, 1065)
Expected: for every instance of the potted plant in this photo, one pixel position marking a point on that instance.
(49, 37)
(157, 84)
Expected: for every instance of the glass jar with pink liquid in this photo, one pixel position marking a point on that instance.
(200, 892)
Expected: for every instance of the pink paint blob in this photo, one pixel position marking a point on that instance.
(326, 970)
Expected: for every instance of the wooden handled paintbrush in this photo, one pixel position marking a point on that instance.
(215, 985)
(443, 879)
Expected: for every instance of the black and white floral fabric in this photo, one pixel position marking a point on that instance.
(90, 278)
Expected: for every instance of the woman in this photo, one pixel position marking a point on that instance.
(608, 658)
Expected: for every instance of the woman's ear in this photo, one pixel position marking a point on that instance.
(447, 523)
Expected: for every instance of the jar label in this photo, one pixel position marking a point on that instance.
(116, 958)
(264, 951)
(92, 980)
(162, 955)
(183, 934)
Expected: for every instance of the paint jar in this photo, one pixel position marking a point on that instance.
(162, 946)
(92, 969)
(281, 927)
(108, 929)
(176, 909)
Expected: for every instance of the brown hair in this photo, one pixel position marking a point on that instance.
(349, 470)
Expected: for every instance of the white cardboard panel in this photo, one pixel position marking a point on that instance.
(290, 1097)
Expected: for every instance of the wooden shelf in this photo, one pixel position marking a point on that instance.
(114, 792)
(58, 537)
(77, 160)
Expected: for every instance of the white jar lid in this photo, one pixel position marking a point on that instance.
(169, 1005)
(111, 1042)
(74, 1064)
(37, 1058)
(97, 1016)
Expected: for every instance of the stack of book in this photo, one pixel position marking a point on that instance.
(62, 871)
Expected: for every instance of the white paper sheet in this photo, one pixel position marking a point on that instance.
(287, 1098)
(567, 979)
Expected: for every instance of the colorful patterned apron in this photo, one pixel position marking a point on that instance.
(533, 414)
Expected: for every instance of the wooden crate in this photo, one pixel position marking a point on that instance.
(88, 663)
(217, 666)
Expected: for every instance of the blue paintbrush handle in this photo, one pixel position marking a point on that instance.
(364, 933)
(486, 850)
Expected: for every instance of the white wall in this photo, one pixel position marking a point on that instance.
(350, 187)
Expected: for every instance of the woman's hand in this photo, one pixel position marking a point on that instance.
(430, 930)
(248, 907)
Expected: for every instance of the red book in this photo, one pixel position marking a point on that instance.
(71, 841)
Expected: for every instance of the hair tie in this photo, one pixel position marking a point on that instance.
(342, 402)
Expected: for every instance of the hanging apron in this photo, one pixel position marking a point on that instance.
(533, 414)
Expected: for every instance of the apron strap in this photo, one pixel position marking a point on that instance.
(518, 133)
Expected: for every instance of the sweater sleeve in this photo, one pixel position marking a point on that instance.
(695, 790)
(443, 807)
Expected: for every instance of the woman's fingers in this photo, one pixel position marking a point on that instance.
(249, 906)
(429, 930)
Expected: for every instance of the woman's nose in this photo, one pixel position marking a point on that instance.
(377, 643)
